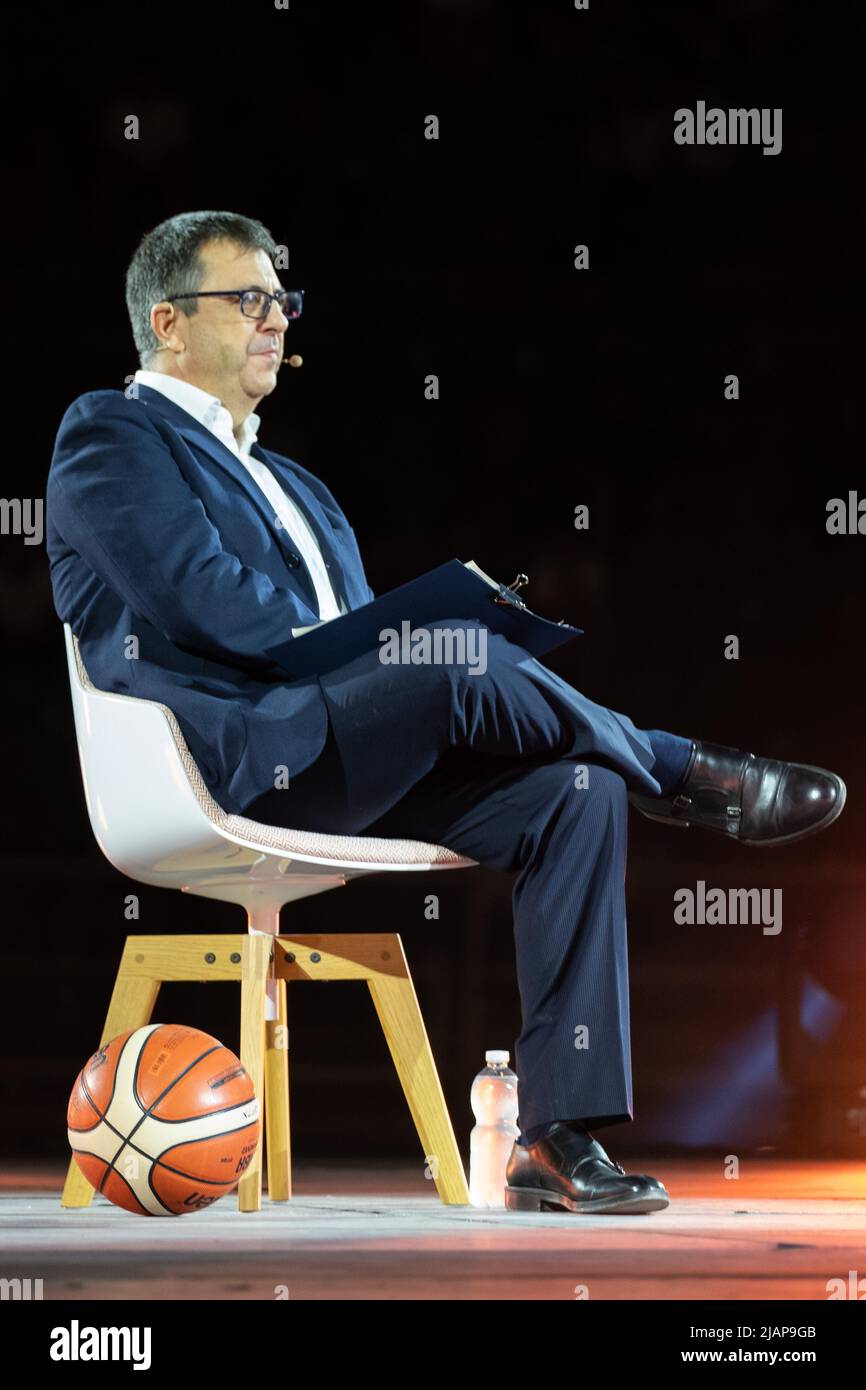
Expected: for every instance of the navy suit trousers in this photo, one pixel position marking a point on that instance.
(490, 766)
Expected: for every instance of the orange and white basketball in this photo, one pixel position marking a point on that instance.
(163, 1120)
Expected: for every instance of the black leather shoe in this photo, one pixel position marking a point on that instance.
(758, 801)
(569, 1171)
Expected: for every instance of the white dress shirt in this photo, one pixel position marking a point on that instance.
(210, 412)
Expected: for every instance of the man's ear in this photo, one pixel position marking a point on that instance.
(163, 321)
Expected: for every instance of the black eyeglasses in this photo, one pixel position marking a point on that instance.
(255, 304)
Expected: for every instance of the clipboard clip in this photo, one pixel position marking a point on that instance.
(508, 592)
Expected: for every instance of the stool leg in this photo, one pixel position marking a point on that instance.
(256, 965)
(277, 1127)
(403, 1025)
(132, 1003)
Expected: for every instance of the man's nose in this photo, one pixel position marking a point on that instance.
(276, 320)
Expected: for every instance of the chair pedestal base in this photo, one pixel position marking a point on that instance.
(263, 963)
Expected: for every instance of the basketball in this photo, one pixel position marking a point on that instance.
(163, 1120)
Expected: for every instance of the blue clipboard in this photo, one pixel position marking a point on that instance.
(449, 591)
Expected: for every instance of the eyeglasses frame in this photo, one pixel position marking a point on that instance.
(228, 294)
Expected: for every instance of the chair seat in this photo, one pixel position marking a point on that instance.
(359, 849)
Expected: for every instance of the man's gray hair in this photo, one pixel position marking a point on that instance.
(166, 261)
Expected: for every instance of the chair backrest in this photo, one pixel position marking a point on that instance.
(155, 819)
(145, 796)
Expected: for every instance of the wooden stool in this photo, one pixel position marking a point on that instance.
(263, 963)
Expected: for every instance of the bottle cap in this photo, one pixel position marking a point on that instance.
(496, 1057)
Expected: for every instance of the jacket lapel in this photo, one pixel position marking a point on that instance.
(317, 517)
(320, 518)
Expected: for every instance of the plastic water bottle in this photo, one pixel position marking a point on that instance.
(494, 1105)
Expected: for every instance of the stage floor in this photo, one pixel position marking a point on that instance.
(780, 1231)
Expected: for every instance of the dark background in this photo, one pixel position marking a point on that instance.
(558, 387)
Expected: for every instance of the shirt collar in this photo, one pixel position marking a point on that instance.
(204, 407)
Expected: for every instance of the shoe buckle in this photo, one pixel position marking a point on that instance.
(733, 818)
(681, 803)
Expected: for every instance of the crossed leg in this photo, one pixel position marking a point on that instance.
(485, 764)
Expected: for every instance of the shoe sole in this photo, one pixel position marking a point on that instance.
(542, 1199)
(765, 844)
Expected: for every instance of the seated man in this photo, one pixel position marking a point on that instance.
(183, 553)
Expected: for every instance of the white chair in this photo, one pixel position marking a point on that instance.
(156, 821)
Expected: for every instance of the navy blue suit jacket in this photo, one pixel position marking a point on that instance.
(154, 529)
